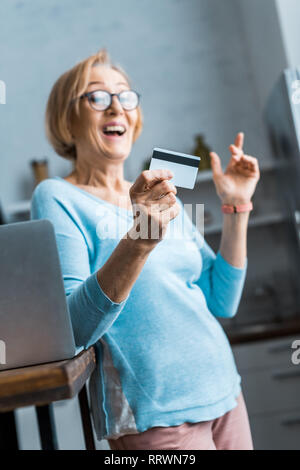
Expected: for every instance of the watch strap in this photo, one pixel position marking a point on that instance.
(230, 209)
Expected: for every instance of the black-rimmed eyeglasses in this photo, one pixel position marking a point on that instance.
(100, 100)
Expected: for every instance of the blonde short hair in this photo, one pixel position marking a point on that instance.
(70, 85)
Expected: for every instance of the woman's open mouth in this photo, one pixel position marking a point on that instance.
(113, 132)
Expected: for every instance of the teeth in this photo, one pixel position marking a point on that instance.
(114, 129)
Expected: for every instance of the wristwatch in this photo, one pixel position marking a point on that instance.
(228, 209)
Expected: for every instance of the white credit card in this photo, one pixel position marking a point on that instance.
(184, 167)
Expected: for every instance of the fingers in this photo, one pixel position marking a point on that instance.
(154, 202)
(148, 178)
(165, 202)
(161, 220)
(151, 225)
(236, 151)
(239, 140)
(162, 189)
(170, 213)
(162, 195)
(248, 163)
(237, 147)
(160, 204)
(157, 190)
(215, 162)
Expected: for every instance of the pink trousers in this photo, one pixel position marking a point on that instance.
(229, 432)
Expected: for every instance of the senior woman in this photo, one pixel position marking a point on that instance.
(165, 376)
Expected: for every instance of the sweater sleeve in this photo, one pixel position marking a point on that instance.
(92, 312)
(221, 283)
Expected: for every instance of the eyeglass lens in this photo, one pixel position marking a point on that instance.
(101, 100)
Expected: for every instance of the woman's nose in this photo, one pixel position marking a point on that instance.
(116, 105)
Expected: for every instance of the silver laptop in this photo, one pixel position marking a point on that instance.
(35, 325)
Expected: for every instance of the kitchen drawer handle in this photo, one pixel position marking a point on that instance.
(291, 421)
(286, 375)
(286, 347)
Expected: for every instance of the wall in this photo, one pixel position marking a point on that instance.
(289, 14)
(188, 60)
(265, 52)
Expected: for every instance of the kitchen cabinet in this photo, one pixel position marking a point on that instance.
(276, 431)
(271, 388)
(264, 354)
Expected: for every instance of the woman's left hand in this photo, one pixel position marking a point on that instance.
(237, 184)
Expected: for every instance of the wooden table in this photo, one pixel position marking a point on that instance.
(40, 386)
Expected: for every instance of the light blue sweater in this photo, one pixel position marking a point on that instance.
(163, 357)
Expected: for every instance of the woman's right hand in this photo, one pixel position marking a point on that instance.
(154, 206)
